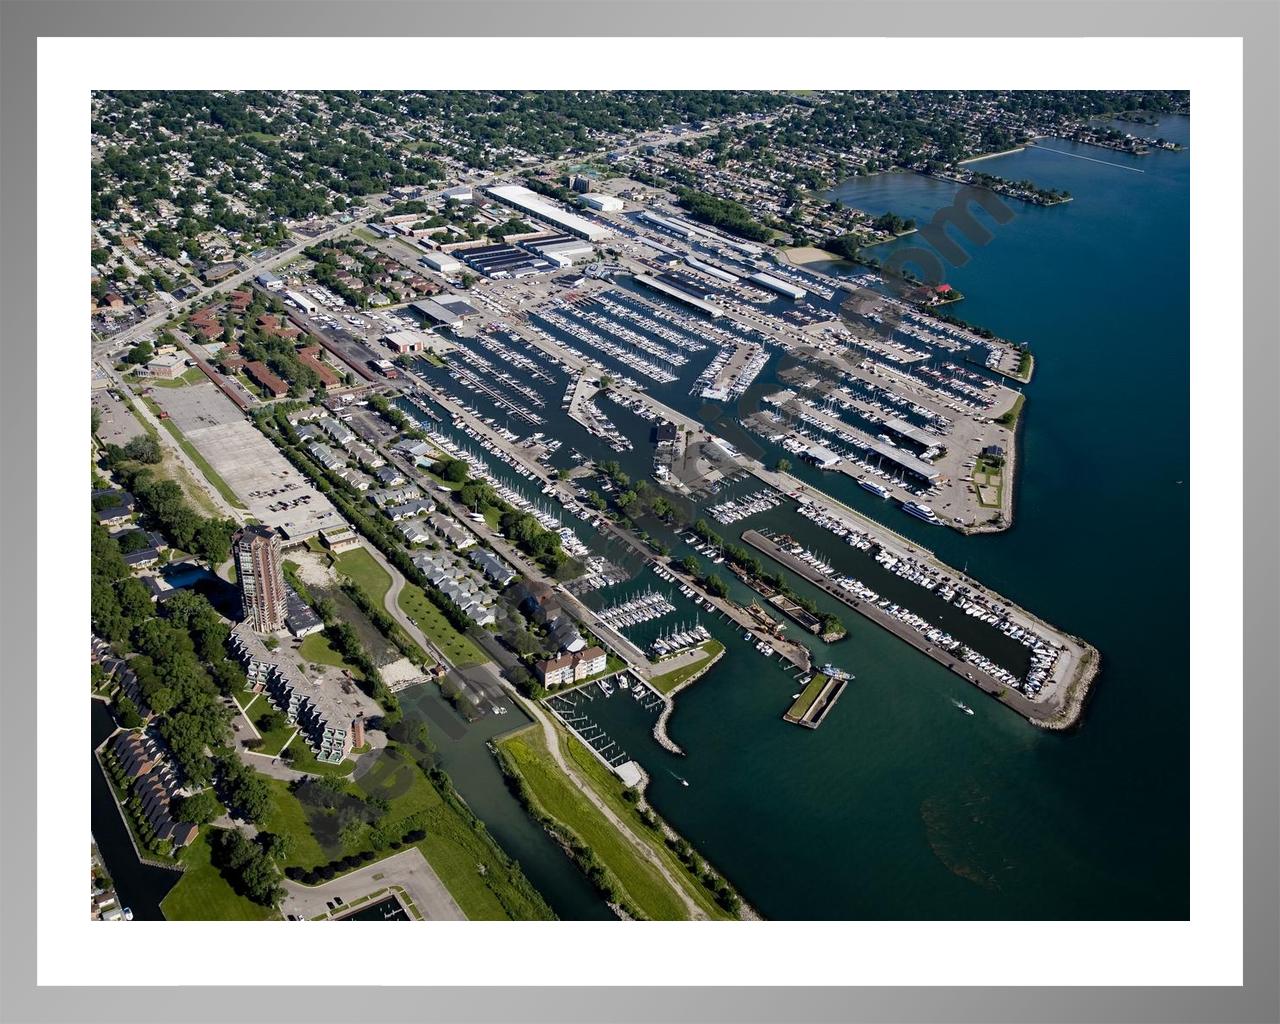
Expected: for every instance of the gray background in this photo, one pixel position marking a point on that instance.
(22, 22)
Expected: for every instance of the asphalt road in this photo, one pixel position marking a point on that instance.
(408, 869)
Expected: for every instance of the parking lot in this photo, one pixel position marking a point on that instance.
(116, 424)
(197, 406)
(276, 494)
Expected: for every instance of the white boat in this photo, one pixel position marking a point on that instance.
(874, 488)
(915, 508)
(963, 706)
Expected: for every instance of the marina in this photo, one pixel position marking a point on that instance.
(636, 610)
(808, 509)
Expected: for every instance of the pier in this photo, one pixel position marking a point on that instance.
(1059, 705)
(817, 698)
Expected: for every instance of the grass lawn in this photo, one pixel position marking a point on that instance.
(191, 376)
(442, 481)
(431, 620)
(486, 884)
(202, 894)
(319, 651)
(610, 787)
(668, 681)
(287, 817)
(365, 572)
(394, 777)
(558, 798)
(988, 478)
(274, 739)
(808, 695)
(305, 761)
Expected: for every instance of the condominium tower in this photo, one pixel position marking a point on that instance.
(261, 578)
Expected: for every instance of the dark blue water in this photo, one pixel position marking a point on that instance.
(141, 887)
(898, 806)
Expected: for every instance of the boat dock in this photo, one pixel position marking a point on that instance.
(1036, 711)
(801, 616)
(818, 697)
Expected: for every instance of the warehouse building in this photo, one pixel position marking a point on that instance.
(669, 226)
(562, 249)
(502, 260)
(430, 311)
(711, 270)
(410, 341)
(688, 283)
(307, 305)
(680, 295)
(530, 202)
(441, 262)
(599, 201)
(823, 458)
(773, 284)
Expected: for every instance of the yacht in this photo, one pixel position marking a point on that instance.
(874, 488)
(963, 706)
(915, 508)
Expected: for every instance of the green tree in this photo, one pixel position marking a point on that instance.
(199, 808)
(127, 713)
(351, 834)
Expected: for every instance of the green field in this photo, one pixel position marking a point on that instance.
(394, 777)
(171, 468)
(610, 787)
(807, 696)
(668, 681)
(287, 817)
(202, 894)
(457, 647)
(305, 761)
(191, 376)
(272, 740)
(317, 650)
(557, 798)
(477, 874)
(365, 572)
(987, 475)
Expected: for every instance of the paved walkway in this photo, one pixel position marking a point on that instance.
(392, 604)
(408, 869)
(552, 738)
